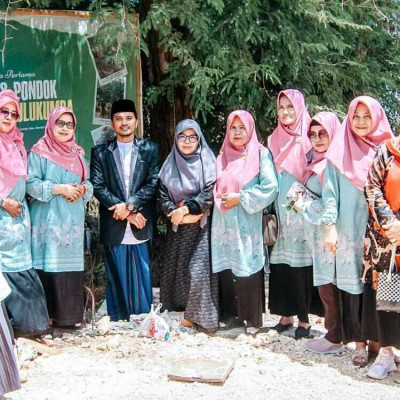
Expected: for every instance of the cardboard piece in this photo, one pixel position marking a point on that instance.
(195, 370)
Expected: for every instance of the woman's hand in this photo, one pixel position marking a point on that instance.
(392, 230)
(82, 188)
(137, 219)
(70, 192)
(298, 205)
(331, 238)
(13, 207)
(178, 214)
(230, 200)
(191, 219)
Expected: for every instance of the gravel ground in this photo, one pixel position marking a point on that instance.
(120, 366)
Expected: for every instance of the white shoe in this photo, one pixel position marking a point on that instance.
(323, 346)
(383, 364)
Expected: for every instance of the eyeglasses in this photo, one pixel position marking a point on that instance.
(60, 123)
(321, 135)
(184, 138)
(5, 113)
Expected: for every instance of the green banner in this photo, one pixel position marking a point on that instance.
(51, 60)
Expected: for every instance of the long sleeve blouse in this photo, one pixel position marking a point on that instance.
(291, 247)
(15, 234)
(236, 235)
(378, 249)
(344, 205)
(57, 225)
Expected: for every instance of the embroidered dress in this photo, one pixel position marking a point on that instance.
(15, 234)
(57, 225)
(237, 248)
(346, 207)
(26, 304)
(323, 259)
(291, 247)
(236, 236)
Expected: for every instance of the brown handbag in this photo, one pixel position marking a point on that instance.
(270, 229)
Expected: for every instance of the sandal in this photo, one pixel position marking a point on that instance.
(360, 357)
(186, 323)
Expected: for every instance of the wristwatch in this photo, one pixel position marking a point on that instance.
(130, 207)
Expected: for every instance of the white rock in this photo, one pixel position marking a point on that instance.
(104, 325)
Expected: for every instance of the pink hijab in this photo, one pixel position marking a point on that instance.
(330, 122)
(68, 154)
(290, 144)
(236, 167)
(13, 163)
(353, 155)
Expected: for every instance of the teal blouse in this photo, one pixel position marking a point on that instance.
(57, 225)
(236, 235)
(291, 247)
(345, 206)
(15, 234)
(323, 260)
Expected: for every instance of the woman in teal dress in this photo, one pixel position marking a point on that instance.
(323, 127)
(246, 184)
(26, 305)
(290, 281)
(58, 186)
(345, 216)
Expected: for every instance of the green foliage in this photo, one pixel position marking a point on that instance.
(240, 53)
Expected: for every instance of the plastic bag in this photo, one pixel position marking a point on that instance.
(153, 326)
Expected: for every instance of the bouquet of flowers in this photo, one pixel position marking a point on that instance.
(296, 191)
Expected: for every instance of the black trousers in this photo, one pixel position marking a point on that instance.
(242, 298)
(291, 292)
(342, 314)
(380, 326)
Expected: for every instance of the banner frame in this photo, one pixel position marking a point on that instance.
(85, 15)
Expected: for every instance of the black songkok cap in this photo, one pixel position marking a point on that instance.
(123, 105)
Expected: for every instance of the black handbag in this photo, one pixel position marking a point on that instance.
(269, 227)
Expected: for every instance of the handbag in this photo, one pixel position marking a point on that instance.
(388, 293)
(269, 228)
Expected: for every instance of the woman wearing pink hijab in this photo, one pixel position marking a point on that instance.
(58, 187)
(350, 156)
(246, 184)
(290, 282)
(323, 128)
(25, 304)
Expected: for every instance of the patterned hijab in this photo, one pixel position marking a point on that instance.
(187, 175)
(236, 167)
(68, 154)
(13, 160)
(330, 122)
(290, 144)
(353, 155)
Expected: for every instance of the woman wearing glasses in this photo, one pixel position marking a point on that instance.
(187, 181)
(349, 157)
(246, 184)
(58, 186)
(26, 305)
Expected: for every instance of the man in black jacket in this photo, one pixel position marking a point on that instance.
(124, 175)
